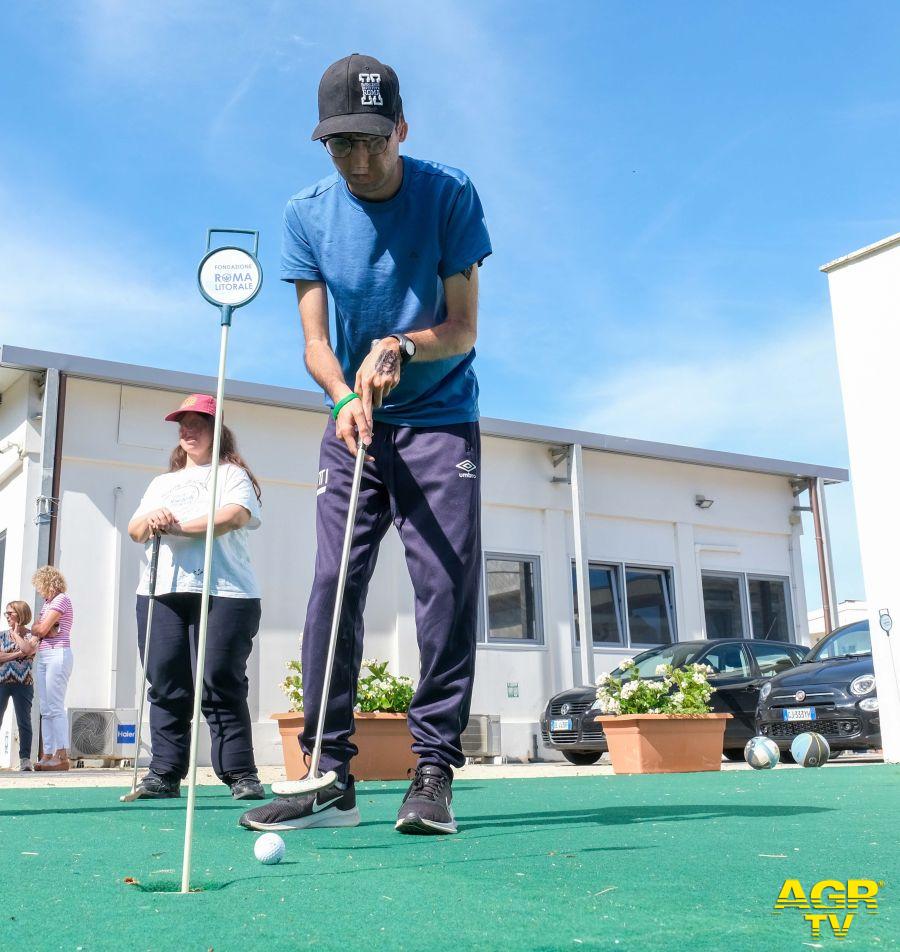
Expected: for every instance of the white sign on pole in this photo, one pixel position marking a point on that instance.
(229, 276)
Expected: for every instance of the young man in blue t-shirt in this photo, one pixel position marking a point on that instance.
(396, 242)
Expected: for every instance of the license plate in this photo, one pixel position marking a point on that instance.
(564, 725)
(799, 714)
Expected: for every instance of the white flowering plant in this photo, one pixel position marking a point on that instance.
(684, 690)
(377, 690)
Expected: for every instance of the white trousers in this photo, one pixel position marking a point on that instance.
(52, 668)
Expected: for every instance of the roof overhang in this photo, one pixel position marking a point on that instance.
(22, 358)
(884, 245)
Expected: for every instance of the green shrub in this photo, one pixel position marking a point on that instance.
(377, 690)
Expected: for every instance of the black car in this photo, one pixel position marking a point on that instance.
(832, 692)
(741, 667)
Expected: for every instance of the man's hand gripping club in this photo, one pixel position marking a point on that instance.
(375, 379)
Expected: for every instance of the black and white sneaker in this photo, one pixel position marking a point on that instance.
(331, 806)
(155, 787)
(426, 806)
(248, 788)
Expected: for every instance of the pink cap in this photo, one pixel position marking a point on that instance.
(195, 403)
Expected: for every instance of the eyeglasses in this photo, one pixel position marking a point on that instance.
(341, 146)
(11, 614)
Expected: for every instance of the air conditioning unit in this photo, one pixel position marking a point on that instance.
(102, 734)
(481, 738)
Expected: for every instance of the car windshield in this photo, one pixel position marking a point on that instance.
(843, 643)
(646, 662)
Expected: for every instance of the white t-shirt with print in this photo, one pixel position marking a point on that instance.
(186, 494)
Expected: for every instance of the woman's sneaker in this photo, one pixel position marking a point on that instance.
(155, 787)
(331, 806)
(426, 806)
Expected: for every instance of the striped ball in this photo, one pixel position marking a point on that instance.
(761, 753)
(810, 749)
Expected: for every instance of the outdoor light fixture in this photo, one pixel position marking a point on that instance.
(702, 502)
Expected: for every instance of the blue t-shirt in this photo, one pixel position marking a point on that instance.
(383, 264)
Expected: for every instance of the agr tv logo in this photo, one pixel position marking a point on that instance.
(838, 902)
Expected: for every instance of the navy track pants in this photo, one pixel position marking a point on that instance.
(426, 480)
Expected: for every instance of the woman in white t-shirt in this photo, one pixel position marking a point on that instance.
(176, 506)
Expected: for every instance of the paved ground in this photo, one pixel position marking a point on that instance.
(103, 777)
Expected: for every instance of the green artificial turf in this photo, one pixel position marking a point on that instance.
(687, 862)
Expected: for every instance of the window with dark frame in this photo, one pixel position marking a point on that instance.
(512, 585)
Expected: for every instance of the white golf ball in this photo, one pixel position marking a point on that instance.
(269, 849)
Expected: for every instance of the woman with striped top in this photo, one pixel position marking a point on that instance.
(53, 665)
(17, 647)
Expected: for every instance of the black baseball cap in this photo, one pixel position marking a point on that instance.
(358, 94)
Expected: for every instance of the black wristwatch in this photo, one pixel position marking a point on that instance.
(407, 348)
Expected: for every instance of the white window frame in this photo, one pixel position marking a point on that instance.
(484, 637)
(621, 568)
(744, 579)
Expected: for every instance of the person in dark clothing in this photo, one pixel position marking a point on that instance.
(17, 649)
(396, 242)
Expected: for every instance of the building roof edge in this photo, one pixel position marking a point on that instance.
(108, 371)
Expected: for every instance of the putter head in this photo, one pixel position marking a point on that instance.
(129, 797)
(298, 788)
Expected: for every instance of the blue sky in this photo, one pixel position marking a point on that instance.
(661, 182)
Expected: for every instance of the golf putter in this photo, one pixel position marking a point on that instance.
(313, 781)
(154, 561)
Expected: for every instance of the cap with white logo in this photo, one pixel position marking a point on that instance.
(358, 94)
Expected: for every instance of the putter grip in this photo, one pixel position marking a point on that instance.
(154, 561)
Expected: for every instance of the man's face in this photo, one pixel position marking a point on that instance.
(365, 173)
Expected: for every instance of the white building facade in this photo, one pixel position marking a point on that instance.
(865, 303)
(675, 543)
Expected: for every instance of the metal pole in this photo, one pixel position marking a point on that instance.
(116, 583)
(51, 408)
(338, 605)
(829, 564)
(823, 553)
(582, 570)
(204, 603)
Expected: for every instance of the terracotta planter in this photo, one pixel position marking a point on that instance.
(664, 743)
(383, 740)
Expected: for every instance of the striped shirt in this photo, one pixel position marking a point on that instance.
(62, 604)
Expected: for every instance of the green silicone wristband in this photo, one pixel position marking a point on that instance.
(342, 403)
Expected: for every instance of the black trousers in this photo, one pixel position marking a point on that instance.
(233, 623)
(22, 695)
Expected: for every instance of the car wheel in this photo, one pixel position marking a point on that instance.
(735, 754)
(582, 758)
